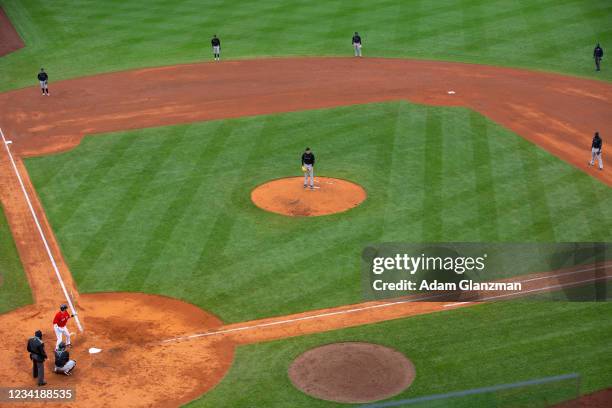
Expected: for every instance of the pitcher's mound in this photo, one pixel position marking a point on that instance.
(288, 196)
(352, 372)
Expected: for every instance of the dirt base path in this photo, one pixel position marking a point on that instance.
(558, 113)
(9, 38)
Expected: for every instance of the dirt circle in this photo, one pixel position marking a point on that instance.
(287, 196)
(352, 372)
(135, 368)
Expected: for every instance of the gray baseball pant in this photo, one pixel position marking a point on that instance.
(309, 173)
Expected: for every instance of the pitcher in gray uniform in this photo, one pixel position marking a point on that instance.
(308, 161)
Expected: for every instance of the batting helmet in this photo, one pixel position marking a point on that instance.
(63, 306)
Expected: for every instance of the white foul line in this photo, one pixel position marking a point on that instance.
(298, 319)
(358, 309)
(560, 286)
(40, 231)
(564, 274)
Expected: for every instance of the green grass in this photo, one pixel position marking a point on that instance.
(167, 210)
(14, 289)
(86, 37)
(452, 351)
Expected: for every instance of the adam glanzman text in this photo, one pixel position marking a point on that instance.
(423, 263)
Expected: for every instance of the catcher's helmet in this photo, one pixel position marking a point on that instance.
(63, 306)
(61, 346)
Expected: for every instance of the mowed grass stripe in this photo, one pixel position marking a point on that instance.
(212, 251)
(433, 206)
(536, 192)
(184, 194)
(417, 164)
(122, 209)
(99, 168)
(488, 227)
(461, 205)
(80, 40)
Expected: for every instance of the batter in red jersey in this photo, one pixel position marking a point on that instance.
(59, 325)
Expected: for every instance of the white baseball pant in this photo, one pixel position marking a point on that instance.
(58, 333)
(596, 155)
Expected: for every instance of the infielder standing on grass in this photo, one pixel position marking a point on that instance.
(598, 55)
(43, 78)
(59, 325)
(308, 161)
(596, 151)
(216, 46)
(357, 44)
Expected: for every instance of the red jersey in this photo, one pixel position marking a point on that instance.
(61, 318)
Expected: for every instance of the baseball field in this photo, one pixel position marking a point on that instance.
(128, 193)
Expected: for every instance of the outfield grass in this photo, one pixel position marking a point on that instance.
(86, 37)
(167, 210)
(452, 351)
(14, 289)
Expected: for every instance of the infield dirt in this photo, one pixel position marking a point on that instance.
(9, 38)
(556, 112)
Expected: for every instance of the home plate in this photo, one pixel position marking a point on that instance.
(93, 350)
(451, 92)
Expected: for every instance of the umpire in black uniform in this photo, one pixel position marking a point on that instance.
(598, 55)
(36, 347)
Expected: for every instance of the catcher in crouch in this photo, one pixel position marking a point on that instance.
(308, 161)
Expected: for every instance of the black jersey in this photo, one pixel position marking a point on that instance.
(596, 142)
(308, 158)
(598, 52)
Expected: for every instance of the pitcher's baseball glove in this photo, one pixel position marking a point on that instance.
(304, 169)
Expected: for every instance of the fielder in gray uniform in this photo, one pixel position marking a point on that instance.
(216, 46)
(596, 151)
(357, 44)
(308, 161)
(43, 78)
